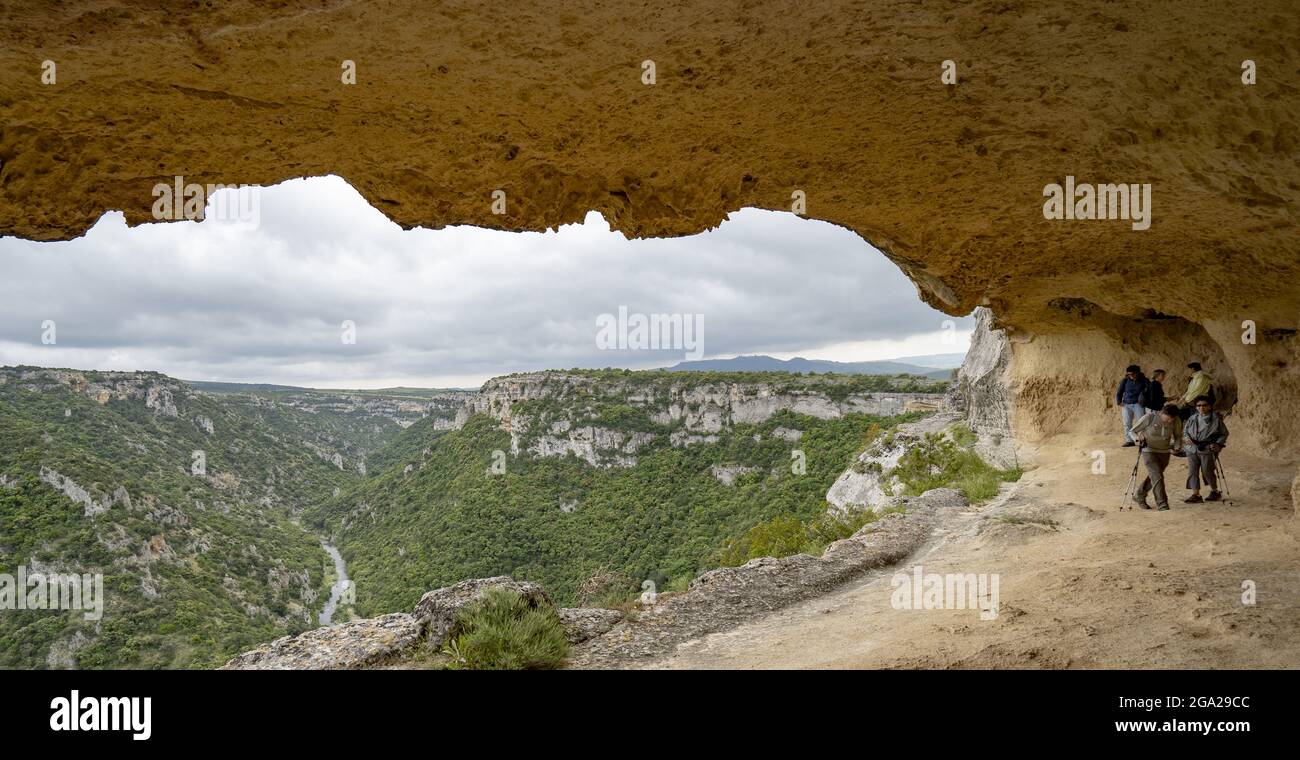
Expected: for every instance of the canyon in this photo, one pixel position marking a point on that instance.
(226, 501)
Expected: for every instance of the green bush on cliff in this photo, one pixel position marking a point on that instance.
(785, 535)
(940, 461)
(502, 631)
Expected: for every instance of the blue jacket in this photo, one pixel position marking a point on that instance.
(1131, 391)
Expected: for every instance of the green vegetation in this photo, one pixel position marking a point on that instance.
(502, 631)
(941, 461)
(196, 568)
(560, 521)
(785, 535)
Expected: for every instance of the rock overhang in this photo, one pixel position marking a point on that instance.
(841, 102)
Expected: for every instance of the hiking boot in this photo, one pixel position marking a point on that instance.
(1193, 499)
(1165, 508)
(1141, 502)
(1214, 496)
(1127, 444)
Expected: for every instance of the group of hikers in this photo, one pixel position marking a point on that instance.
(1190, 428)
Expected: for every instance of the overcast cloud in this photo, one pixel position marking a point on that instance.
(452, 307)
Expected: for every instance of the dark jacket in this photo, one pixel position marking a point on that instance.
(1131, 391)
(1154, 398)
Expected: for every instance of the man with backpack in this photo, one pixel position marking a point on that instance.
(1200, 384)
(1204, 436)
(1128, 397)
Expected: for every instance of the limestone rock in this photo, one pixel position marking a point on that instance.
(863, 485)
(695, 412)
(436, 611)
(340, 647)
(726, 474)
(583, 623)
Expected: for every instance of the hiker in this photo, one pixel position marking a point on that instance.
(1199, 384)
(1159, 434)
(1204, 436)
(1154, 399)
(1128, 397)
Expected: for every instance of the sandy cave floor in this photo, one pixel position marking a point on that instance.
(1083, 585)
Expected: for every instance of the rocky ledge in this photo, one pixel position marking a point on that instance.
(724, 598)
(363, 643)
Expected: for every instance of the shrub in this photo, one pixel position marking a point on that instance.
(785, 535)
(939, 462)
(502, 631)
(781, 536)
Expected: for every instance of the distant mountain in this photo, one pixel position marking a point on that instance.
(820, 366)
(218, 387)
(937, 361)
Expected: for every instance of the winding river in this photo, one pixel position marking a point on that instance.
(336, 591)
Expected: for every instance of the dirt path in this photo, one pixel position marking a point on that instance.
(1082, 585)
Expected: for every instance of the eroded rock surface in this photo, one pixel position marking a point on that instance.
(583, 623)
(339, 647)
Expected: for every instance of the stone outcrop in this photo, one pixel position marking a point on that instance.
(436, 611)
(584, 623)
(368, 642)
(864, 485)
(339, 647)
(79, 494)
(678, 406)
(983, 392)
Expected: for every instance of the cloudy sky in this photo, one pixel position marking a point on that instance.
(266, 302)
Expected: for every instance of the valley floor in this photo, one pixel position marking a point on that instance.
(1083, 585)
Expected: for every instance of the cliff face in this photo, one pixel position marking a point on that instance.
(841, 102)
(606, 419)
(983, 391)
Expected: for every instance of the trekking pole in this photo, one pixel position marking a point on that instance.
(1223, 478)
(1129, 489)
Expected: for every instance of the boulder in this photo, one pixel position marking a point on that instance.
(436, 611)
(340, 647)
(583, 623)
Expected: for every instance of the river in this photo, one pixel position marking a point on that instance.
(336, 591)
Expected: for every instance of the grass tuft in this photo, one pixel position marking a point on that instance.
(502, 631)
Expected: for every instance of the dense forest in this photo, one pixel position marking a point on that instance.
(196, 566)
